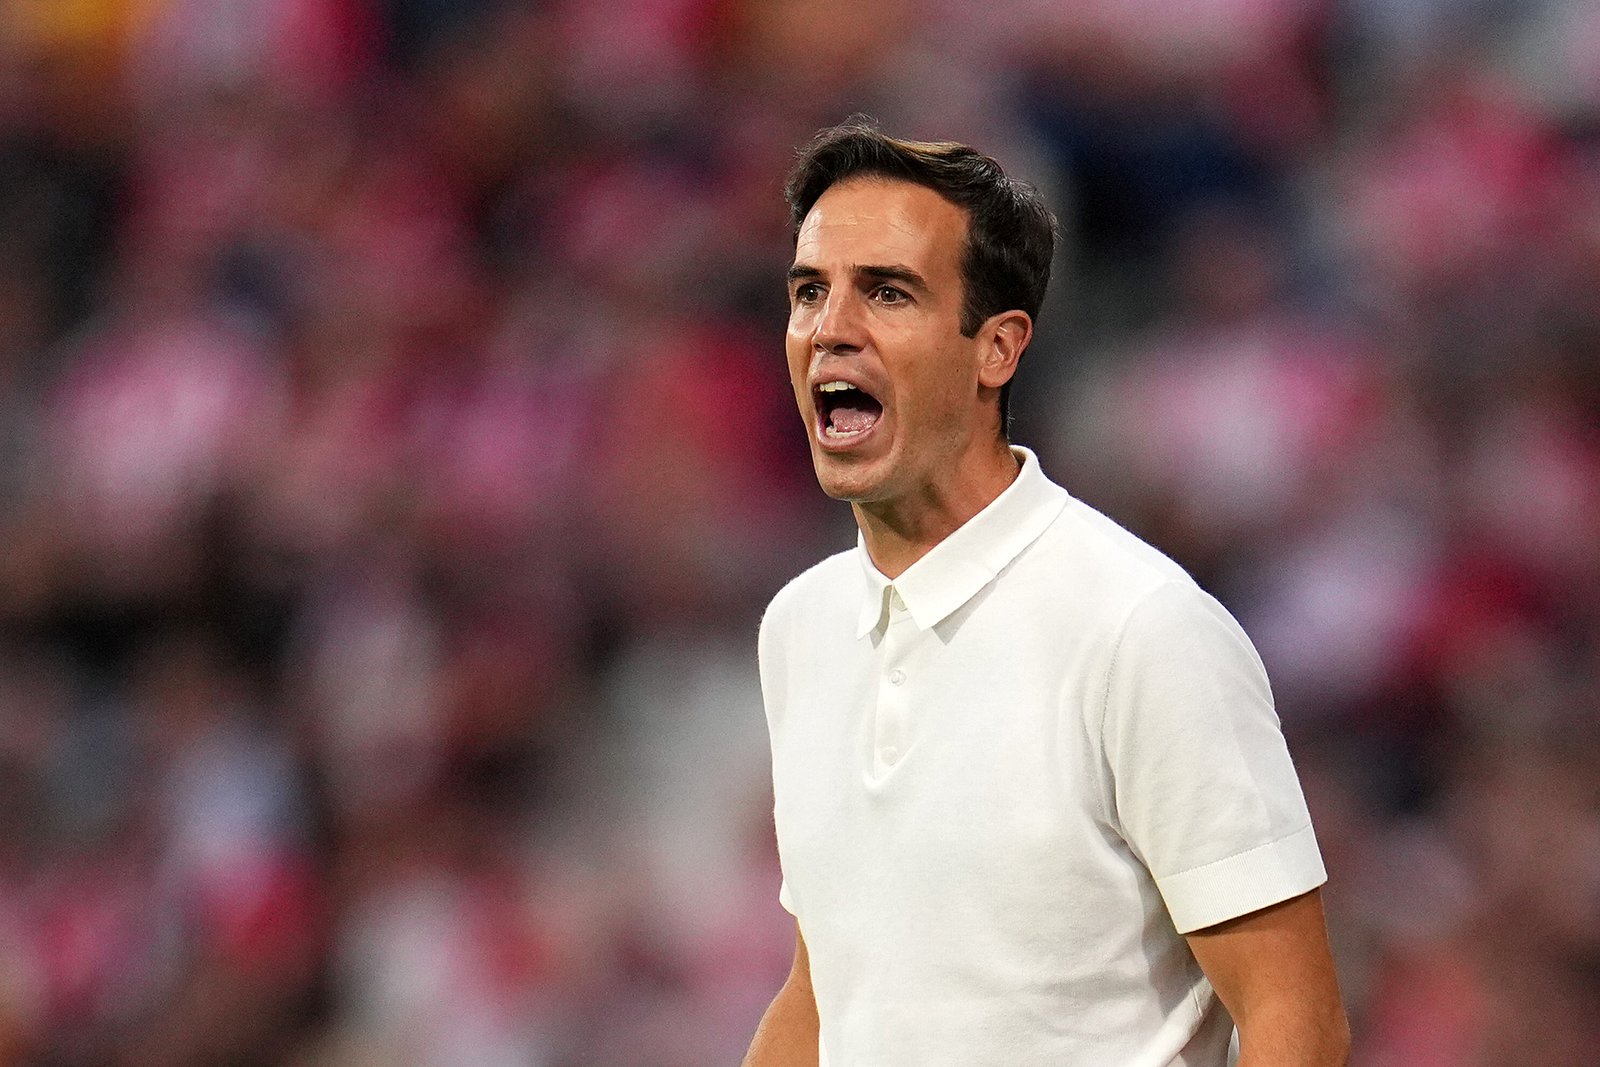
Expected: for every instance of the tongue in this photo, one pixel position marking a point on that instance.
(847, 419)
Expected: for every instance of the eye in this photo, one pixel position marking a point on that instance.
(888, 294)
(807, 293)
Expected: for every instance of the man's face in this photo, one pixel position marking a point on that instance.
(887, 385)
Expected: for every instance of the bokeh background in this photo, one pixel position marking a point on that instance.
(396, 455)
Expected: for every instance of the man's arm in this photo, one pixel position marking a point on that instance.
(1274, 973)
(787, 1036)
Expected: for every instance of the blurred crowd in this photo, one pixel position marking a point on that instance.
(396, 454)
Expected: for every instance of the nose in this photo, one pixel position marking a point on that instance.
(840, 328)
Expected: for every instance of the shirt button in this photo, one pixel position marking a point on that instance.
(897, 676)
(889, 753)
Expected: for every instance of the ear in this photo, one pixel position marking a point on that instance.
(1005, 336)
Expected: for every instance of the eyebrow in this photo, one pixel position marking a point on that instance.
(891, 273)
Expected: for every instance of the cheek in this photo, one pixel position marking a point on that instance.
(796, 353)
(941, 388)
(795, 344)
(801, 324)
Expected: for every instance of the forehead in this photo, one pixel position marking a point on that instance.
(871, 221)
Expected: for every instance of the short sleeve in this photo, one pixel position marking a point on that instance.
(1204, 790)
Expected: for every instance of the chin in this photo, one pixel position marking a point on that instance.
(853, 482)
(835, 483)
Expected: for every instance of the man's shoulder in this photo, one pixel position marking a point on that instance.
(1096, 562)
(821, 583)
(1115, 576)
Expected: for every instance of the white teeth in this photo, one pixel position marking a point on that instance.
(834, 387)
(829, 431)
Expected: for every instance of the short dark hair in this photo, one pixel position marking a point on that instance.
(1010, 233)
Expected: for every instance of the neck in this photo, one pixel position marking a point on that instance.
(901, 531)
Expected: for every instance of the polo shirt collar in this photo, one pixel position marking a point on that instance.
(955, 569)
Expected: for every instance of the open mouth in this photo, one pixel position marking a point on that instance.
(845, 411)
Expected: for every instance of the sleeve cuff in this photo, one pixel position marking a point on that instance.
(1243, 883)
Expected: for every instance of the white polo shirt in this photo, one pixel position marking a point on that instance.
(1008, 781)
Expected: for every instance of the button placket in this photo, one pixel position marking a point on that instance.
(892, 718)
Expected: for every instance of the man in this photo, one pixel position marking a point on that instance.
(1032, 801)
